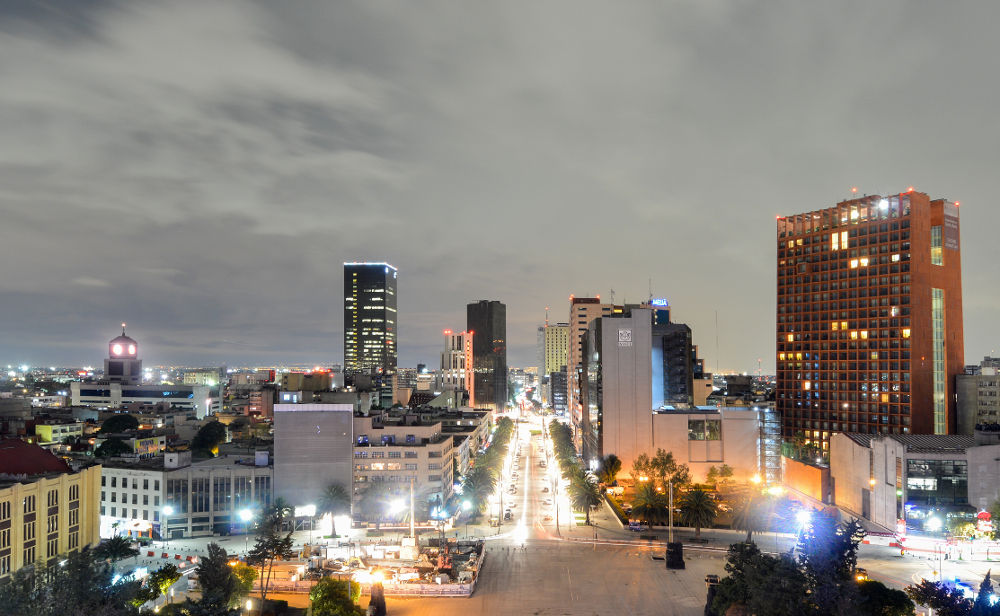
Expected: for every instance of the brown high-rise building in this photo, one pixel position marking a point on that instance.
(869, 318)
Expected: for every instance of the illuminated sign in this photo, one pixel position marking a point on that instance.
(659, 301)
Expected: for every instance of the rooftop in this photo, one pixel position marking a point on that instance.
(19, 457)
(920, 443)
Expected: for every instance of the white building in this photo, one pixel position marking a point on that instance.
(200, 399)
(312, 450)
(195, 499)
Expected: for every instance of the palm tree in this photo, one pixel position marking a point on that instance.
(478, 486)
(584, 494)
(373, 503)
(748, 517)
(698, 510)
(649, 505)
(116, 548)
(336, 501)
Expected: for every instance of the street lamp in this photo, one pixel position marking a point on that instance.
(466, 506)
(167, 512)
(246, 515)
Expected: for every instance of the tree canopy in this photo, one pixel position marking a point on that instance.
(118, 423)
(208, 438)
(112, 447)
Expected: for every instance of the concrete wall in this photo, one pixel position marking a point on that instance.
(984, 475)
(627, 387)
(313, 448)
(812, 481)
(738, 447)
(853, 466)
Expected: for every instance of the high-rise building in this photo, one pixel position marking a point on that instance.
(369, 318)
(457, 363)
(582, 310)
(556, 347)
(869, 318)
(487, 322)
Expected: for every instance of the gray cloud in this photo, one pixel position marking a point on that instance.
(214, 164)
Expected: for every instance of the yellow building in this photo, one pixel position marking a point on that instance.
(556, 347)
(46, 510)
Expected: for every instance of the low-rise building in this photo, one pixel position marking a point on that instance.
(46, 510)
(886, 478)
(169, 496)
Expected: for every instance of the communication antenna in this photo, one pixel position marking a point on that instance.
(650, 299)
(716, 341)
(546, 317)
(612, 296)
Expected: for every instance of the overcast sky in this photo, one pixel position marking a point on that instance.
(201, 170)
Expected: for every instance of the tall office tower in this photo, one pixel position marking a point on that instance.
(582, 310)
(457, 363)
(556, 347)
(869, 318)
(369, 318)
(487, 321)
(123, 364)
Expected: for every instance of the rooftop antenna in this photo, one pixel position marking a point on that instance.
(716, 341)
(123, 329)
(546, 317)
(612, 294)
(650, 300)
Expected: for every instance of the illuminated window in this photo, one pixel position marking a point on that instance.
(864, 334)
(854, 263)
(791, 337)
(843, 325)
(937, 256)
(894, 311)
(806, 385)
(791, 243)
(863, 261)
(781, 356)
(874, 354)
(906, 333)
(895, 258)
(854, 335)
(798, 356)
(843, 239)
(834, 241)
(835, 326)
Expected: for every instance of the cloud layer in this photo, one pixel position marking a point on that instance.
(201, 170)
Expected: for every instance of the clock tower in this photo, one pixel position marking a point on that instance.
(123, 364)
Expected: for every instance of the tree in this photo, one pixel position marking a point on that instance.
(983, 606)
(246, 575)
(584, 494)
(828, 556)
(112, 447)
(944, 600)
(82, 586)
(611, 465)
(749, 516)
(725, 471)
(162, 579)
(118, 423)
(208, 438)
(665, 469)
(336, 501)
(374, 502)
(698, 510)
(115, 549)
(479, 484)
(764, 585)
(649, 505)
(272, 543)
(876, 599)
(330, 597)
(712, 475)
(218, 583)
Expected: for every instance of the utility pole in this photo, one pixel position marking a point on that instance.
(413, 524)
(670, 514)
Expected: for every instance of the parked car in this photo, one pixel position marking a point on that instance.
(637, 525)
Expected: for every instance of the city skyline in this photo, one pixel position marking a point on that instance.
(208, 193)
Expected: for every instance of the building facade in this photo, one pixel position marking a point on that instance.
(556, 347)
(978, 395)
(457, 364)
(869, 318)
(487, 322)
(170, 497)
(45, 509)
(312, 450)
(370, 319)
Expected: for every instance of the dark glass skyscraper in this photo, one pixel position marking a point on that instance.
(488, 323)
(369, 318)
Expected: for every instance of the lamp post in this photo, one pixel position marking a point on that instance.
(246, 515)
(167, 512)
(466, 506)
